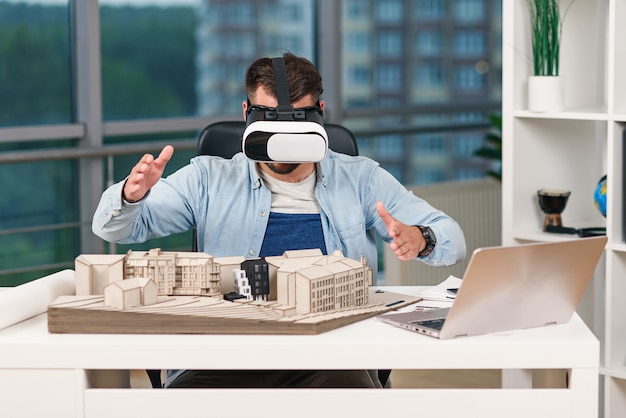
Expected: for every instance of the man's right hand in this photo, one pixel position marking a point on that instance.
(145, 174)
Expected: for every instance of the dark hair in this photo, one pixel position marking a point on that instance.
(302, 77)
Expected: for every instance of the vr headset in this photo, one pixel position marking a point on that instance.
(284, 134)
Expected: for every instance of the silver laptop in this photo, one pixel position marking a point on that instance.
(512, 287)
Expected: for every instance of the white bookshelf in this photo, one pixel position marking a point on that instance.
(572, 149)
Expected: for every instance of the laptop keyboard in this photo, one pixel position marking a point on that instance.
(432, 323)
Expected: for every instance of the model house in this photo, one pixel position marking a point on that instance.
(241, 284)
(313, 282)
(257, 272)
(227, 265)
(129, 293)
(94, 272)
(175, 273)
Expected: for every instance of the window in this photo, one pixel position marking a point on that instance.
(283, 42)
(25, 206)
(425, 10)
(226, 52)
(468, 80)
(236, 15)
(389, 11)
(390, 146)
(429, 74)
(148, 61)
(179, 63)
(428, 43)
(389, 77)
(36, 86)
(358, 42)
(469, 11)
(292, 12)
(444, 55)
(39, 218)
(357, 9)
(469, 43)
(466, 144)
(429, 144)
(390, 44)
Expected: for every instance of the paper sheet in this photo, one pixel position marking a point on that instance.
(30, 299)
(438, 293)
(434, 297)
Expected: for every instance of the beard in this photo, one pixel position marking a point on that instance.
(281, 168)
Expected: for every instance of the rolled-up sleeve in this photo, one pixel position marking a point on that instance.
(114, 219)
(409, 209)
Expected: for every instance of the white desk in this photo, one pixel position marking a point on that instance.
(45, 374)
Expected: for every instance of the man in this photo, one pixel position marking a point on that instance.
(246, 208)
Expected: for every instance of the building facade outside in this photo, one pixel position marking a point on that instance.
(394, 53)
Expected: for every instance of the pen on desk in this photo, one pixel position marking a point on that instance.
(394, 303)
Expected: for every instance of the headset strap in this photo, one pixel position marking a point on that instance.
(284, 109)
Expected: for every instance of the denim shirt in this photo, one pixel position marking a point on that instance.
(229, 205)
(226, 201)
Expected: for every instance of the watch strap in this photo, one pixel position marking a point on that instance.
(430, 239)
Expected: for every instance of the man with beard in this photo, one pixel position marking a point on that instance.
(256, 209)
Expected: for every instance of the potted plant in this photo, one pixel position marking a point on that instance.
(545, 87)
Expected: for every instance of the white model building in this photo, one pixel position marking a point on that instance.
(175, 273)
(227, 265)
(130, 293)
(301, 282)
(313, 282)
(94, 272)
(241, 284)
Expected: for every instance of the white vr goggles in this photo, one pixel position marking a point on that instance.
(284, 134)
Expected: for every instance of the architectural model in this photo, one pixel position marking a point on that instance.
(157, 291)
(304, 281)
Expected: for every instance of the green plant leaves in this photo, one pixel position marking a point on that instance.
(546, 36)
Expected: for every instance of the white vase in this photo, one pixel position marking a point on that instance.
(545, 93)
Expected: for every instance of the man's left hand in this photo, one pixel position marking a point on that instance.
(407, 240)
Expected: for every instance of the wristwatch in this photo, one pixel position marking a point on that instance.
(430, 239)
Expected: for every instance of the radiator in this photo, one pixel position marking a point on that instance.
(476, 205)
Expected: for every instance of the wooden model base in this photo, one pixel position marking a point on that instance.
(206, 315)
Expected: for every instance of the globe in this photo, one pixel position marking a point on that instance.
(599, 196)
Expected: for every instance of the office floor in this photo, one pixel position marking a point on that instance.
(405, 379)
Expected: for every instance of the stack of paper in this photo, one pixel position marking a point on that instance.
(434, 297)
(440, 292)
